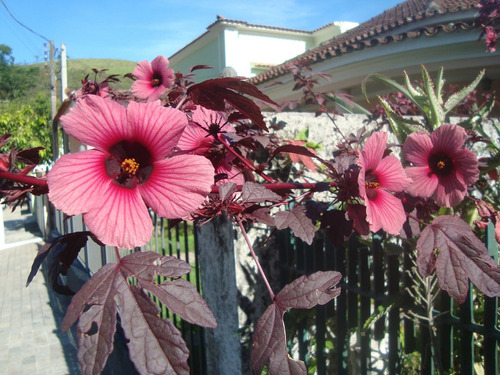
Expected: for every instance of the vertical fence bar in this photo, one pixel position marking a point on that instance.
(378, 282)
(394, 317)
(491, 312)
(365, 302)
(341, 346)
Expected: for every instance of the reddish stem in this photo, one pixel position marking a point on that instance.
(244, 161)
(117, 253)
(284, 186)
(30, 180)
(255, 258)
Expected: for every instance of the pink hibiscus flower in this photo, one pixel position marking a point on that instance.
(127, 170)
(201, 137)
(378, 177)
(153, 79)
(440, 165)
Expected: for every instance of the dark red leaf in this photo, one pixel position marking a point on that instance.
(198, 67)
(269, 345)
(147, 264)
(297, 220)
(309, 291)
(294, 149)
(213, 93)
(30, 155)
(450, 247)
(357, 213)
(66, 248)
(156, 346)
(226, 191)
(337, 227)
(182, 298)
(255, 193)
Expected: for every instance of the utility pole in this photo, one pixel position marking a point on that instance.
(64, 73)
(53, 100)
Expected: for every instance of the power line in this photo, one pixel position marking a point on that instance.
(22, 24)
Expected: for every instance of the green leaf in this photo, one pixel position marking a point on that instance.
(439, 86)
(401, 127)
(352, 108)
(386, 81)
(457, 97)
(381, 311)
(436, 115)
(303, 135)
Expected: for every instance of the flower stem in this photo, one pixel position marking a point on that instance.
(117, 253)
(244, 161)
(30, 180)
(287, 186)
(255, 258)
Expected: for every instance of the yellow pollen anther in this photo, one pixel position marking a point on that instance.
(130, 166)
(372, 185)
(441, 164)
(155, 82)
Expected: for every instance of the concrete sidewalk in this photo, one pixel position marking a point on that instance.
(31, 341)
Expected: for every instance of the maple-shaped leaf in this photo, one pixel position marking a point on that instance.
(155, 344)
(226, 190)
(269, 340)
(450, 247)
(147, 264)
(64, 249)
(297, 220)
(182, 298)
(213, 93)
(256, 193)
(309, 291)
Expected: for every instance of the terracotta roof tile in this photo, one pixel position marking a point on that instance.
(374, 31)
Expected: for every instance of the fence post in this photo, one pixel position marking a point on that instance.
(218, 282)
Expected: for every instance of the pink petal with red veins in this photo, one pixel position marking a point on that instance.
(385, 212)
(78, 182)
(373, 151)
(178, 185)
(450, 191)
(143, 71)
(417, 148)
(424, 182)
(97, 122)
(122, 220)
(156, 127)
(466, 164)
(144, 90)
(448, 138)
(233, 175)
(195, 140)
(160, 66)
(205, 117)
(391, 175)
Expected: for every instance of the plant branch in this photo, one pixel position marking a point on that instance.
(255, 258)
(30, 180)
(287, 186)
(244, 161)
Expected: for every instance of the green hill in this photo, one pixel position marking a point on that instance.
(77, 70)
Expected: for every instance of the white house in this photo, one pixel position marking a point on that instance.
(248, 49)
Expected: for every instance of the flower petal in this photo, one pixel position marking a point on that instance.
(424, 182)
(122, 220)
(77, 182)
(466, 164)
(385, 212)
(160, 65)
(156, 127)
(448, 138)
(417, 148)
(143, 71)
(195, 140)
(97, 122)
(178, 185)
(450, 190)
(391, 175)
(373, 151)
(144, 90)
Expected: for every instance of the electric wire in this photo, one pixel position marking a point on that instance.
(22, 24)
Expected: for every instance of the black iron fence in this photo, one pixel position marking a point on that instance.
(375, 326)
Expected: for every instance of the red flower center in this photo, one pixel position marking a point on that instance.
(371, 186)
(440, 164)
(129, 164)
(156, 80)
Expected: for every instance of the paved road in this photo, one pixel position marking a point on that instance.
(31, 341)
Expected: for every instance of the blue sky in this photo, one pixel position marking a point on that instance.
(141, 30)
